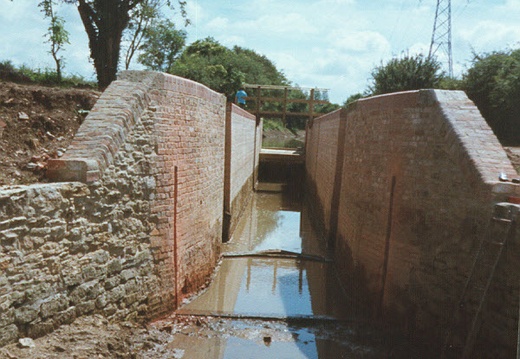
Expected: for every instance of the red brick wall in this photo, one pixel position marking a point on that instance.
(419, 180)
(187, 121)
(324, 151)
(189, 126)
(242, 156)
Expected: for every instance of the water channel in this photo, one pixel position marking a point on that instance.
(275, 294)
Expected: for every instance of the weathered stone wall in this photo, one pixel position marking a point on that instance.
(142, 230)
(419, 180)
(70, 249)
(242, 158)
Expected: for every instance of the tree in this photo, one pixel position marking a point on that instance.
(163, 45)
(104, 22)
(56, 34)
(493, 83)
(140, 20)
(407, 73)
(225, 70)
(353, 98)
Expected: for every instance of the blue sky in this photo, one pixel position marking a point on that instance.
(331, 44)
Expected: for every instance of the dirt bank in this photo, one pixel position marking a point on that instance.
(37, 123)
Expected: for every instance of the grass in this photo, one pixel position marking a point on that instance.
(47, 77)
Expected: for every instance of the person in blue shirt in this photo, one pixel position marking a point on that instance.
(240, 97)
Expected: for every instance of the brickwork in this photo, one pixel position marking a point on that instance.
(142, 231)
(109, 122)
(189, 127)
(418, 184)
(242, 158)
(324, 142)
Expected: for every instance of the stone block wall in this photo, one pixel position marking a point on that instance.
(418, 183)
(243, 135)
(140, 230)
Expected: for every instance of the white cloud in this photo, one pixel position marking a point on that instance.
(338, 2)
(289, 25)
(232, 40)
(359, 41)
(419, 48)
(512, 5)
(488, 34)
(219, 24)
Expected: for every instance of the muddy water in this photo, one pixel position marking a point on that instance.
(272, 288)
(276, 294)
(275, 266)
(276, 220)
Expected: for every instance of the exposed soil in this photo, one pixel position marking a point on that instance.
(37, 123)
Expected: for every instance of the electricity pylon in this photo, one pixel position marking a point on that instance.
(441, 36)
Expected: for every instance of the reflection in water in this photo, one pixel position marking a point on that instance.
(273, 221)
(273, 287)
(238, 348)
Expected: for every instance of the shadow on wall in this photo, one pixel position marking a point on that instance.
(418, 181)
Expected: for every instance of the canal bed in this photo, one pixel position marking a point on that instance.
(276, 295)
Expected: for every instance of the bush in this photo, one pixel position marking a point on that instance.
(273, 124)
(407, 73)
(9, 73)
(493, 84)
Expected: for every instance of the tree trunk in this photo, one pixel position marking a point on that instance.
(104, 23)
(57, 60)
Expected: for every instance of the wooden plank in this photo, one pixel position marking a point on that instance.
(287, 114)
(282, 87)
(281, 100)
(281, 155)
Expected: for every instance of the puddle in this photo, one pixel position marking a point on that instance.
(263, 286)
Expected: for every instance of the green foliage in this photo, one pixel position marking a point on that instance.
(450, 83)
(47, 77)
(8, 72)
(141, 18)
(273, 124)
(105, 22)
(162, 46)
(326, 108)
(493, 83)
(56, 34)
(225, 70)
(407, 73)
(353, 98)
(257, 68)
